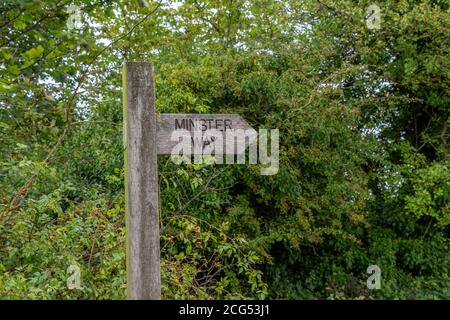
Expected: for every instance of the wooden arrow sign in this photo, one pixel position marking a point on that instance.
(147, 134)
(204, 131)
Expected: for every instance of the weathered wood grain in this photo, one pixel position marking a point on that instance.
(141, 183)
(225, 124)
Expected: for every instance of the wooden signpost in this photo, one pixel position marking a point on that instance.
(146, 135)
(141, 182)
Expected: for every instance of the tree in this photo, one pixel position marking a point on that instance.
(363, 118)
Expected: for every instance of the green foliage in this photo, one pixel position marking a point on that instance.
(364, 138)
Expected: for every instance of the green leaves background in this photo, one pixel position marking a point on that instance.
(363, 119)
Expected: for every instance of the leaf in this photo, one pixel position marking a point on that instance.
(13, 69)
(19, 24)
(34, 52)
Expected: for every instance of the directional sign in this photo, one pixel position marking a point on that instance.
(203, 131)
(147, 134)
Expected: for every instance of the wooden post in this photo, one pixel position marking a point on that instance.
(141, 182)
